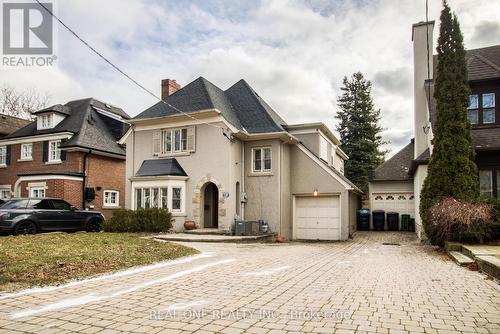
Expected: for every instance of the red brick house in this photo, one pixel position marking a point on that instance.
(71, 152)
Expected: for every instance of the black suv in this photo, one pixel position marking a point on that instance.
(32, 215)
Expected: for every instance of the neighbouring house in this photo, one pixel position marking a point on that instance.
(396, 184)
(212, 156)
(71, 152)
(9, 124)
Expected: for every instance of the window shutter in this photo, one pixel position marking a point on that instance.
(63, 153)
(45, 151)
(191, 138)
(156, 142)
(8, 154)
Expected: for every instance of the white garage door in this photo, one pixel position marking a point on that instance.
(402, 203)
(317, 217)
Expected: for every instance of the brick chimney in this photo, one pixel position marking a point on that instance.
(168, 87)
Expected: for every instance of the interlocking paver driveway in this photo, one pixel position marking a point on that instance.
(359, 285)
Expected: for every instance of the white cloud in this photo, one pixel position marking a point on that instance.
(294, 53)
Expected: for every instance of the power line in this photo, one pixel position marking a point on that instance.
(135, 82)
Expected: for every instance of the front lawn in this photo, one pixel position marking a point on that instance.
(43, 259)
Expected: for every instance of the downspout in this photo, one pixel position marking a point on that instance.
(280, 176)
(84, 183)
(242, 190)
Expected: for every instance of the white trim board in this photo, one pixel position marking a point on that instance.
(33, 139)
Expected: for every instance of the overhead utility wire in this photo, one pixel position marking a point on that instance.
(122, 72)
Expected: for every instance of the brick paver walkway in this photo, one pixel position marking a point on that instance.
(355, 286)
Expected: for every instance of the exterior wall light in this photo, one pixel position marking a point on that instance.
(315, 193)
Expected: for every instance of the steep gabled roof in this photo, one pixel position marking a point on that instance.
(9, 124)
(240, 105)
(397, 168)
(91, 128)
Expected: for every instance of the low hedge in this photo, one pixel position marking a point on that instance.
(142, 220)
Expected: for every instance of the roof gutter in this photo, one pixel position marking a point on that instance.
(283, 135)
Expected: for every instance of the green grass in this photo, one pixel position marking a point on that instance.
(43, 259)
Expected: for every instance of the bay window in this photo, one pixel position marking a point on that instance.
(169, 196)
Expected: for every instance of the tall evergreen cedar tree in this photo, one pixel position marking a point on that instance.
(359, 129)
(451, 171)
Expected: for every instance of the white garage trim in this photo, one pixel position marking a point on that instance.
(294, 211)
(41, 177)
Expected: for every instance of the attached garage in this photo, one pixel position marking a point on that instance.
(402, 203)
(317, 218)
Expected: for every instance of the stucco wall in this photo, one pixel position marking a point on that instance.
(419, 178)
(309, 140)
(286, 195)
(216, 159)
(263, 189)
(307, 175)
(354, 205)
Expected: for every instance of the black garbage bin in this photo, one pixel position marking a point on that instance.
(405, 222)
(378, 220)
(363, 219)
(392, 221)
(412, 225)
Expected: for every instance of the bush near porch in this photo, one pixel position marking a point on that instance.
(42, 259)
(142, 220)
(462, 221)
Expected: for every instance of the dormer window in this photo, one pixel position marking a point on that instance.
(46, 121)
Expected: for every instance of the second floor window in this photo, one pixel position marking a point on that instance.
(481, 109)
(46, 121)
(175, 140)
(26, 151)
(261, 160)
(54, 151)
(3, 155)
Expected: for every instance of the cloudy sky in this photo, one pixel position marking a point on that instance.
(293, 52)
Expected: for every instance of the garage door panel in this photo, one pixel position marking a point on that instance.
(402, 203)
(317, 218)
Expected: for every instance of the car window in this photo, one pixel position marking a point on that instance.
(15, 204)
(59, 204)
(40, 204)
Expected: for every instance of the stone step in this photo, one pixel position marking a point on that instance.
(453, 246)
(460, 258)
(489, 264)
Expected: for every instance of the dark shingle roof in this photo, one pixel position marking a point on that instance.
(486, 138)
(161, 167)
(482, 64)
(240, 105)
(396, 168)
(9, 124)
(91, 129)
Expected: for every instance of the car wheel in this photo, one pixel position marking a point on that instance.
(25, 227)
(94, 225)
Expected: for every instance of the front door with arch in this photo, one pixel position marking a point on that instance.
(210, 206)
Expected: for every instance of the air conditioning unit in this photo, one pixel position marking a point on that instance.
(246, 227)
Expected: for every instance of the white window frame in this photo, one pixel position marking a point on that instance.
(5, 192)
(106, 197)
(262, 168)
(37, 189)
(3, 156)
(182, 142)
(57, 153)
(169, 185)
(46, 121)
(26, 152)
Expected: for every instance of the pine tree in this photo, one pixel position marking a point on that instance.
(359, 129)
(451, 171)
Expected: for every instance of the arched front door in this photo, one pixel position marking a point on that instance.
(210, 206)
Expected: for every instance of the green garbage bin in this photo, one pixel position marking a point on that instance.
(405, 222)
(412, 225)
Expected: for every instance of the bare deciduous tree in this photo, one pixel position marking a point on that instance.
(21, 104)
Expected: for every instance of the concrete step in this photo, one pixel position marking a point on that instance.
(489, 264)
(460, 258)
(453, 246)
(206, 231)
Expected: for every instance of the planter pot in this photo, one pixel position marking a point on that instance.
(189, 225)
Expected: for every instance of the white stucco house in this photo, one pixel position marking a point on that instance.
(212, 156)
